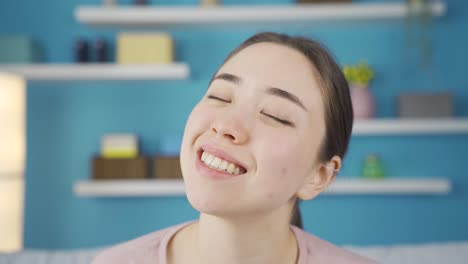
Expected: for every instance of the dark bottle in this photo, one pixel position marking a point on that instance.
(101, 50)
(81, 50)
(140, 2)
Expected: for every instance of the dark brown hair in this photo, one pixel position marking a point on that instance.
(334, 89)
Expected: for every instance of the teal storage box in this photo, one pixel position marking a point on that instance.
(17, 49)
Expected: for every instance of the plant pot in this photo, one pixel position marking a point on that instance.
(363, 102)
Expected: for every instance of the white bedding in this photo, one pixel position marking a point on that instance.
(49, 257)
(434, 253)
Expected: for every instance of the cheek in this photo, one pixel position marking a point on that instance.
(198, 120)
(280, 169)
(285, 159)
(283, 162)
(284, 172)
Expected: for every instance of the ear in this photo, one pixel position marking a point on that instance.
(319, 178)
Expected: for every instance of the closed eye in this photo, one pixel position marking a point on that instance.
(217, 98)
(279, 120)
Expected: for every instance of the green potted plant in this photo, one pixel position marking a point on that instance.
(359, 76)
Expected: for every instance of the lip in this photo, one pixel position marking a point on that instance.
(212, 173)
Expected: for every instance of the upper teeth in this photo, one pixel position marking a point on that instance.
(220, 164)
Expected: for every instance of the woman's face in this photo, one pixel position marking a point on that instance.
(252, 140)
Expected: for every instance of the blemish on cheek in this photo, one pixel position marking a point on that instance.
(284, 172)
(208, 204)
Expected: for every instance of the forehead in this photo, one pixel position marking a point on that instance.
(273, 65)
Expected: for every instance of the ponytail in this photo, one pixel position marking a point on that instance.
(296, 218)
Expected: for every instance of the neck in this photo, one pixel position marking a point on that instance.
(256, 239)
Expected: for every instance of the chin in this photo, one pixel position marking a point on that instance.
(204, 203)
(211, 199)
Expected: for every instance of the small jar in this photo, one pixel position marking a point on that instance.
(140, 2)
(101, 49)
(81, 50)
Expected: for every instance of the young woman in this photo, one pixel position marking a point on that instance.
(272, 129)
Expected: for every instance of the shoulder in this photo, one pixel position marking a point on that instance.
(316, 250)
(149, 248)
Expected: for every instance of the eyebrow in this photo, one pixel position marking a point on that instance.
(271, 90)
(227, 77)
(286, 95)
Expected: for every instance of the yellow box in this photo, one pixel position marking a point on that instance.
(143, 48)
(119, 153)
(124, 145)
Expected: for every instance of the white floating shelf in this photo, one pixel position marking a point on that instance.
(164, 15)
(105, 71)
(141, 188)
(410, 126)
(114, 188)
(391, 186)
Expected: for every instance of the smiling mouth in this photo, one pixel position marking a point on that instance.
(220, 164)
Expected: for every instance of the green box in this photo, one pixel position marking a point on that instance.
(18, 49)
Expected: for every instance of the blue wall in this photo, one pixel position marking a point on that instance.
(65, 122)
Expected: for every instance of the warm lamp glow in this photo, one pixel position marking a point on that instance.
(11, 214)
(12, 113)
(12, 157)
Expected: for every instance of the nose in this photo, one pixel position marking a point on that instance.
(231, 128)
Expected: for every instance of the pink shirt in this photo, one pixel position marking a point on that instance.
(152, 248)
